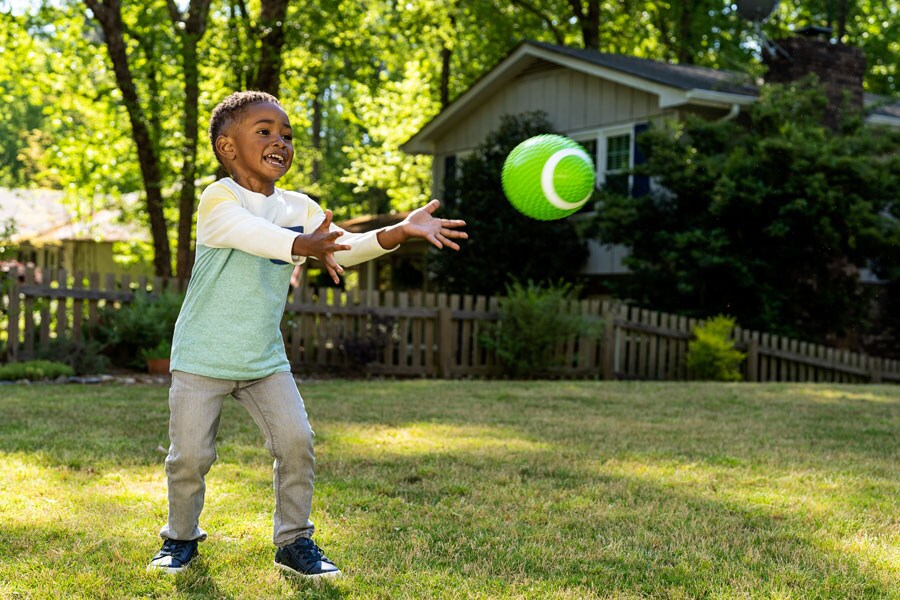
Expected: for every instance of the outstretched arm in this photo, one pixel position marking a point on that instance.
(421, 223)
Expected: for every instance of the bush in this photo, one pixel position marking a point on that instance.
(34, 370)
(711, 355)
(534, 321)
(139, 326)
(161, 350)
(84, 356)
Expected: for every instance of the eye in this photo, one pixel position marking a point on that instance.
(263, 132)
(288, 137)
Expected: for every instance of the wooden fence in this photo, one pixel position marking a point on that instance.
(433, 335)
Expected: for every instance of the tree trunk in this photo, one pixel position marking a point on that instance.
(841, 30)
(589, 21)
(109, 15)
(193, 30)
(272, 17)
(316, 136)
(685, 55)
(446, 55)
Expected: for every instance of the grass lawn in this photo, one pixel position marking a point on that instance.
(471, 489)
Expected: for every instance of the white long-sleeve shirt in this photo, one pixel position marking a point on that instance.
(229, 325)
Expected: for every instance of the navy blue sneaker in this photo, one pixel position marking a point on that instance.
(174, 556)
(306, 559)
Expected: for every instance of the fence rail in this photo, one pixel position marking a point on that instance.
(432, 335)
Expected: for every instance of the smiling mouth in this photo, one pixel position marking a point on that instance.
(275, 159)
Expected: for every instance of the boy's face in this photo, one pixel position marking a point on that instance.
(259, 148)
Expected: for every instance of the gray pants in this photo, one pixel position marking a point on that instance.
(195, 405)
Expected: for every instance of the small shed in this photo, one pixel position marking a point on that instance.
(49, 234)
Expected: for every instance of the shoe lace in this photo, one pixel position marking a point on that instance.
(171, 548)
(310, 551)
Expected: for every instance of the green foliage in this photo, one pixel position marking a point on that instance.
(86, 357)
(8, 247)
(534, 321)
(770, 220)
(503, 244)
(144, 325)
(711, 354)
(163, 349)
(34, 370)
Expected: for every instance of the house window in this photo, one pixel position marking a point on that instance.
(614, 153)
(618, 161)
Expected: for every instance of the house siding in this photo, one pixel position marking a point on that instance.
(573, 101)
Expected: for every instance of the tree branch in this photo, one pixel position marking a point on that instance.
(557, 34)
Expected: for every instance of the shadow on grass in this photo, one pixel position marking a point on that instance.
(540, 501)
(314, 588)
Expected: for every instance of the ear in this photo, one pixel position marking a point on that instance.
(225, 147)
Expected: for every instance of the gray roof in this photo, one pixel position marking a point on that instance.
(688, 77)
(882, 105)
(684, 77)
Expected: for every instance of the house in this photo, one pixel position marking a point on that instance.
(604, 101)
(49, 233)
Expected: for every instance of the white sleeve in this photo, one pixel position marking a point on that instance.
(363, 246)
(223, 223)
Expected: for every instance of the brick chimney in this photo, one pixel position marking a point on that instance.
(840, 69)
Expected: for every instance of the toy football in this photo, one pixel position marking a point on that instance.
(548, 177)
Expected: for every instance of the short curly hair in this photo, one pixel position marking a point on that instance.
(229, 110)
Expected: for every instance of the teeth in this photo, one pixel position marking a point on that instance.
(276, 158)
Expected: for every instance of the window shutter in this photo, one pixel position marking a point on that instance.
(640, 183)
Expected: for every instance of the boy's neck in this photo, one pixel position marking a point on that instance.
(266, 188)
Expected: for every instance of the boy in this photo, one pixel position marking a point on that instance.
(227, 341)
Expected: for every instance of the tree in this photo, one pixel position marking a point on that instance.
(503, 246)
(769, 222)
(109, 15)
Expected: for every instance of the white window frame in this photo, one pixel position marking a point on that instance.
(601, 137)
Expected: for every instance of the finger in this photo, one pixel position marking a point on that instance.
(335, 270)
(334, 276)
(432, 206)
(339, 247)
(326, 224)
(448, 243)
(452, 233)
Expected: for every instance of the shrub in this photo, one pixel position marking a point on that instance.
(161, 350)
(34, 370)
(534, 321)
(84, 356)
(711, 354)
(140, 325)
(364, 347)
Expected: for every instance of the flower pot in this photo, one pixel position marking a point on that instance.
(158, 366)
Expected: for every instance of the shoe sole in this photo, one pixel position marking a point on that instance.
(166, 570)
(328, 575)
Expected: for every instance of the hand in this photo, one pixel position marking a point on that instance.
(321, 244)
(440, 232)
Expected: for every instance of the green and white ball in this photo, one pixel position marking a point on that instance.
(548, 177)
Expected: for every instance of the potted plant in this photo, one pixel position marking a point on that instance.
(157, 357)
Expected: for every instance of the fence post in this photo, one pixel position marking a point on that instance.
(445, 342)
(752, 360)
(608, 353)
(12, 338)
(875, 368)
